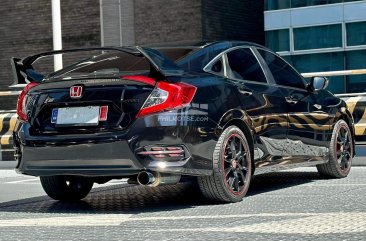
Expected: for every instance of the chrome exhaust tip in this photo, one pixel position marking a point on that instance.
(145, 178)
(156, 179)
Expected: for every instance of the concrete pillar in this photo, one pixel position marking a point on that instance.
(117, 22)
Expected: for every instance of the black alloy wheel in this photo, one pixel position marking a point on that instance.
(340, 153)
(232, 168)
(343, 149)
(235, 164)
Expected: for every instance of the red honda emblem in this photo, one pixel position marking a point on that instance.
(76, 91)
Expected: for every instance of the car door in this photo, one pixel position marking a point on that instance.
(308, 117)
(262, 101)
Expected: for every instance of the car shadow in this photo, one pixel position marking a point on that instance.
(133, 199)
(280, 180)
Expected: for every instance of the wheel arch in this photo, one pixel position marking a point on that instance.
(244, 123)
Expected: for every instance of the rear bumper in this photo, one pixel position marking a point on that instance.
(101, 159)
(113, 153)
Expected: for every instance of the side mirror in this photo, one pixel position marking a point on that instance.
(318, 83)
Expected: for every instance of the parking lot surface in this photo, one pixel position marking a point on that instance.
(291, 205)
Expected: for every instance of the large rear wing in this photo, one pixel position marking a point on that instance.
(23, 71)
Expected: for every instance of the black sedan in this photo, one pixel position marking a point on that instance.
(218, 112)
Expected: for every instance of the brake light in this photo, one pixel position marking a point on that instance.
(140, 78)
(22, 101)
(168, 96)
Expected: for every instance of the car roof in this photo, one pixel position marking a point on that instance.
(202, 44)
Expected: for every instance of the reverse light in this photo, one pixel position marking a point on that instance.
(168, 96)
(22, 101)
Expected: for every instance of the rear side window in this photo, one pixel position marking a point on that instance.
(218, 67)
(243, 65)
(196, 61)
(282, 72)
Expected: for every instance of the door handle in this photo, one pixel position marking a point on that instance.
(245, 91)
(291, 100)
(319, 107)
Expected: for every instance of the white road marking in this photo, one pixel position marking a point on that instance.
(111, 183)
(83, 220)
(22, 181)
(223, 216)
(322, 223)
(35, 180)
(334, 185)
(117, 219)
(293, 223)
(8, 173)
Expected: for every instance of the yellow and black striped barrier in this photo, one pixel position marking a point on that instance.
(10, 93)
(8, 119)
(357, 106)
(7, 123)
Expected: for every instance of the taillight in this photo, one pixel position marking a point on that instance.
(168, 96)
(103, 113)
(22, 102)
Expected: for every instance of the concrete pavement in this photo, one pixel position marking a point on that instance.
(291, 205)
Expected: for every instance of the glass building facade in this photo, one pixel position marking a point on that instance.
(320, 35)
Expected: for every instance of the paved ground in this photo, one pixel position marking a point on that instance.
(285, 206)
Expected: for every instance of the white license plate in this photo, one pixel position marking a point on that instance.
(82, 116)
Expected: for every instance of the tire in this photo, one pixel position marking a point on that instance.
(340, 153)
(66, 188)
(231, 175)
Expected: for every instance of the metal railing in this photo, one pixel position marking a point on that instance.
(336, 73)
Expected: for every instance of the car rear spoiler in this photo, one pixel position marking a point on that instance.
(24, 73)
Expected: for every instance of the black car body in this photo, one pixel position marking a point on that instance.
(163, 110)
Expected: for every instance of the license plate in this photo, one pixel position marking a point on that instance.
(82, 116)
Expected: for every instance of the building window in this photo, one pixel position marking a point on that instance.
(277, 4)
(305, 3)
(351, 0)
(306, 63)
(356, 60)
(278, 40)
(356, 33)
(328, 36)
(283, 4)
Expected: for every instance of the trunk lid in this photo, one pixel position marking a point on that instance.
(123, 97)
(118, 79)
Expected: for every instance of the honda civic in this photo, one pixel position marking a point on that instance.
(217, 112)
